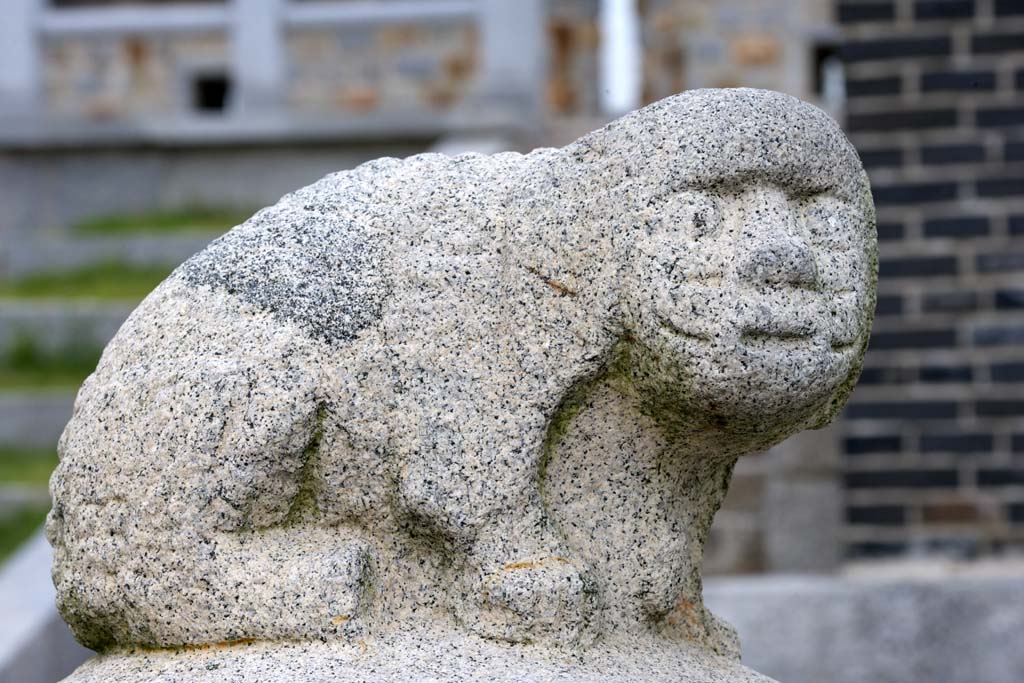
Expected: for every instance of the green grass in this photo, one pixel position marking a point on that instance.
(32, 468)
(18, 526)
(196, 219)
(27, 365)
(99, 281)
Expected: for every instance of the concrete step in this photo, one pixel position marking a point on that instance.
(54, 325)
(34, 419)
(13, 497)
(58, 252)
(35, 644)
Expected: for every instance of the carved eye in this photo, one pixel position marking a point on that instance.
(695, 214)
(830, 223)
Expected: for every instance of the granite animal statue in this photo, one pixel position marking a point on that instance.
(489, 395)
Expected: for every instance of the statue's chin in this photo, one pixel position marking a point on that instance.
(749, 400)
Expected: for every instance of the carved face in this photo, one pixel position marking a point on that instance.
(752, 303)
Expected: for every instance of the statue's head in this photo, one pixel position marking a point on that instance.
(748, 289)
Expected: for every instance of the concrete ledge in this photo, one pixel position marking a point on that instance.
(363, 12)
(114, 20)
(55, 325)
(31, 254)
(34, 419)
(240, 130)
(807, 629)
(35, 644)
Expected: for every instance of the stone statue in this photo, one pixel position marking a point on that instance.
(454, 418)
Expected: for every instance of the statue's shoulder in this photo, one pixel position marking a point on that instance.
(324, 256)
(318, 258)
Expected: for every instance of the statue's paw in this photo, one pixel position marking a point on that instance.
(545, 600)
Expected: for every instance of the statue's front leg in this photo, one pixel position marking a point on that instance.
(525, 584)
(519, 582)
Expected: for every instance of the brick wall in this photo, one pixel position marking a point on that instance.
(933, 439)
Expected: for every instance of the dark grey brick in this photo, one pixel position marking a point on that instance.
(875, 549)
(949, 302)
(1014, 151)
(1020, 79)
(866, 445)
(1015, 511)
(1007, 372)
(999, 261)
(1000, 117)
(875, 158)
(918, 266)
(999, 408)
(958, 81)
(896, 48)
(902, 410)
(855, 12)
(952, 154)
(1017, 225)
(943, 338)
(946, 373)
(925, 10)
(889, 305)
(1006, 8)
(887, 375)
(902, 478)
(894, 231)
(1017, 443)
(959, 226)
(867, 87)
(915, 119)
(914, 193)
(1001, 476)
(887, 515)
(999, 335)
(1008, 299)
(957, 443)
(989, 43)
(1000, 187)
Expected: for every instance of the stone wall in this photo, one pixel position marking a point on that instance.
(934, 436)
(407, 66)
(751, 43)
(98, 77)
(384, 67)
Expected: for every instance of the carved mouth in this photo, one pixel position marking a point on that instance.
(776, 336)
(843, 346)
(780, 339)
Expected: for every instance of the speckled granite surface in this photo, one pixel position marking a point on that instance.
(458, 418)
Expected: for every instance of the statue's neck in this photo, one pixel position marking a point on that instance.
(636, 507)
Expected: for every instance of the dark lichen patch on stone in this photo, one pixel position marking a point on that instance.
(304, 266)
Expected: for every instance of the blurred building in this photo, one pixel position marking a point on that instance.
(114, 106)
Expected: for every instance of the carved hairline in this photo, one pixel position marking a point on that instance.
(726, 137)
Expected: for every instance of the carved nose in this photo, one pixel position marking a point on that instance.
(782, 260)
(773, 251)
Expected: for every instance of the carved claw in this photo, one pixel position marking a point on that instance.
(541, 600)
